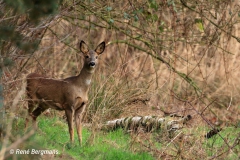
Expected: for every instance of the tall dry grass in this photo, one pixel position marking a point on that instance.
(128, 81)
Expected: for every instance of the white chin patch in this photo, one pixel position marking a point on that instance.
(88, 81)
(92, 67)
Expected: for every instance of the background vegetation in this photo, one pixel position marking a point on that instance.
(162, 57)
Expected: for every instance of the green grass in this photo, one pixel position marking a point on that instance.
(217, 144)
(53, 134)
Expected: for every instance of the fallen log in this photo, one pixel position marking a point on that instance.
(148, 123)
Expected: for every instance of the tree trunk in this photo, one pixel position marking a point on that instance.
(148, 123)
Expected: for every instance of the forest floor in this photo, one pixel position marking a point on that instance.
(187, 143)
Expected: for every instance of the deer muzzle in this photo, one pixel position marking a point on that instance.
(92, 64)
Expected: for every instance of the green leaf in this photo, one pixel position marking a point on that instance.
(153, 4)
(172, 3)
(161, 27)
(109, 8)
(140, 10)
(154, 17)
(111, 21)
(126, 16)
(199, 24)
(198, 20)
(136, 18)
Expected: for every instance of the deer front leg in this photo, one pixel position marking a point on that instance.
(78, 120)
(69, 114)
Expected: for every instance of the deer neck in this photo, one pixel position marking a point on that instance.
(84, 78)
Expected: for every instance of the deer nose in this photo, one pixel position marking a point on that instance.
(92, 64)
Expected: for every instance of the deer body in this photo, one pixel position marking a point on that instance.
(70, 94)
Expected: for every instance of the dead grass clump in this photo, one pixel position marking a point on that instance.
(112, 96)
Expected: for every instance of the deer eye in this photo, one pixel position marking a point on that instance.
(86, 56)
(96, 57)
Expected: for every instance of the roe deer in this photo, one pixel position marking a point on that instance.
(70, 94)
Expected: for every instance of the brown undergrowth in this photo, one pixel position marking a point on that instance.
(178, 69)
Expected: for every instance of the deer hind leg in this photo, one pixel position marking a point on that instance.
(69, 114)
(78, 120)
(39, 110)
(31, 106)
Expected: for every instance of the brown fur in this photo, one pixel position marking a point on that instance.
(70, 94)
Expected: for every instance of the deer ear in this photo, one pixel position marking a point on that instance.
(100, 48)
(83, 47)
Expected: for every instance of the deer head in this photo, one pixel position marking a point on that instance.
(91, 56)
